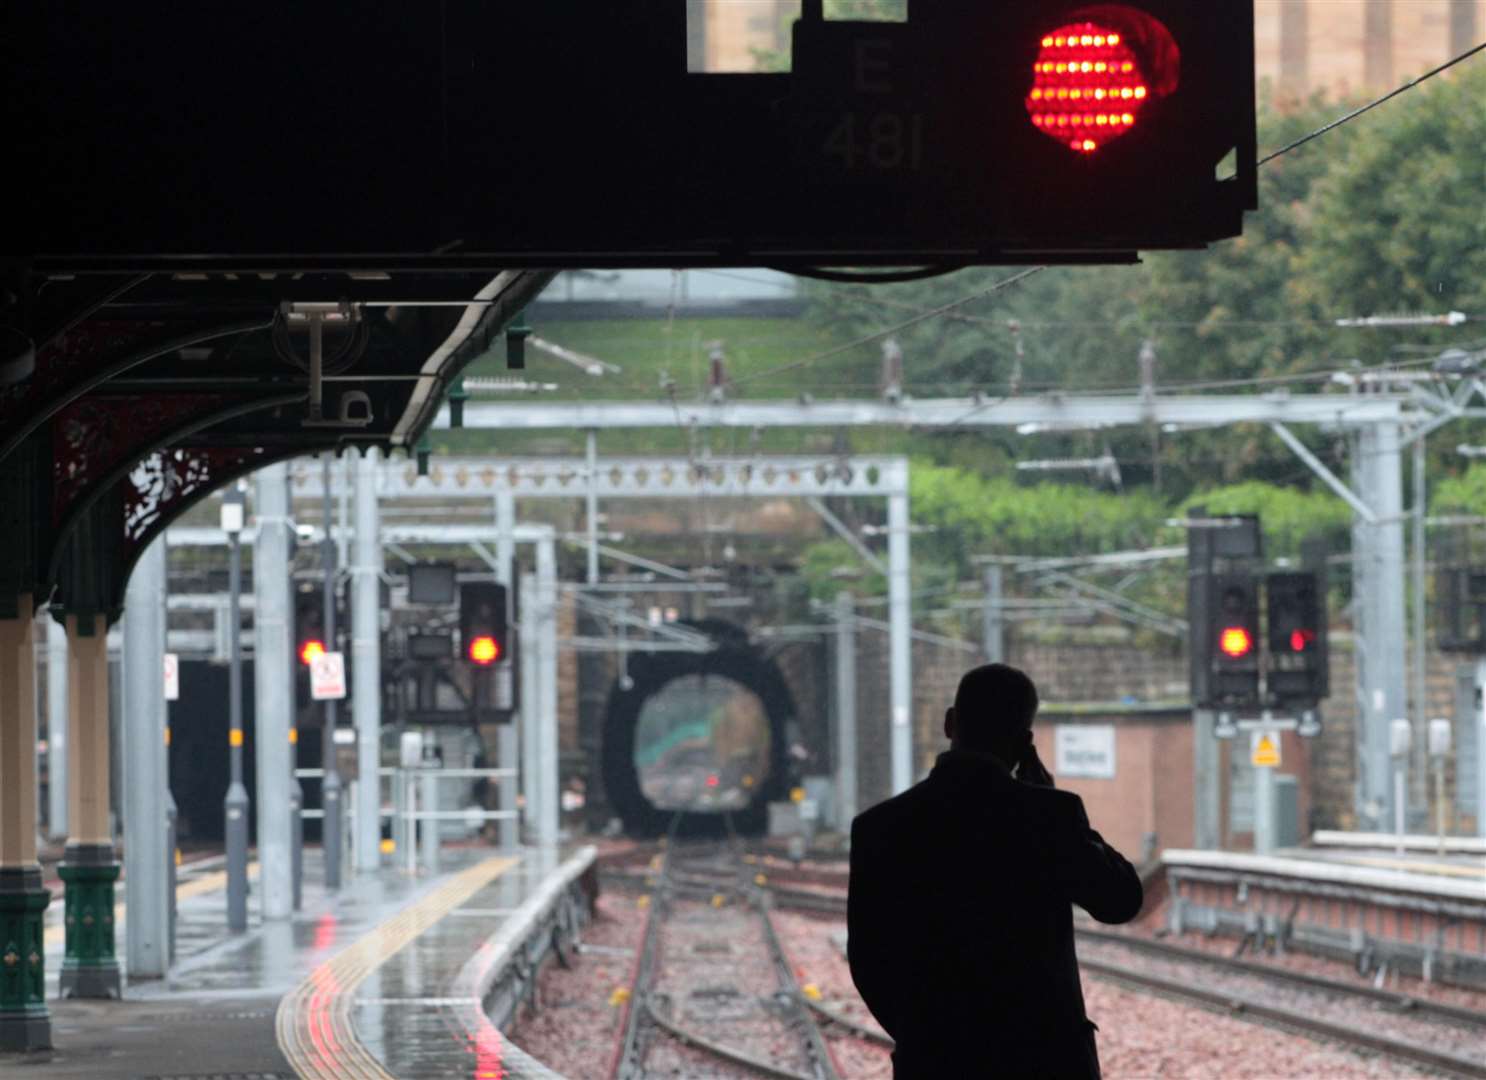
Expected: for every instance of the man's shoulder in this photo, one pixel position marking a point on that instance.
(890, 813)
(1048, 799)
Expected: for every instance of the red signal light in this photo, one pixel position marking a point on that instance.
(1301, 640)
(712, 780)
(1235, 642)
(310, 651)
(484, 650)
(1093, 76)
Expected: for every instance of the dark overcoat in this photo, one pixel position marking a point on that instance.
(960, 922)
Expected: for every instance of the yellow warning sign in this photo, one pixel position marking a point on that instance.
(1264, 751)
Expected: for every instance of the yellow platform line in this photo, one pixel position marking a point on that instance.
(1430, 869)
(313, 1024)
(57, 935)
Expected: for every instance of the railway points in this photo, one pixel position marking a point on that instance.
(707, 917)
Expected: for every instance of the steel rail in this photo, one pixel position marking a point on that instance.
(1404, 1003)
(721, 1050)
(861, 1031)
(1305, 1023)
(825, 1065)
(677, 875)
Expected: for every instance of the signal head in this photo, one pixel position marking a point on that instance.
(310, 651)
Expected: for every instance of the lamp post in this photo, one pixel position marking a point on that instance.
(237, 793)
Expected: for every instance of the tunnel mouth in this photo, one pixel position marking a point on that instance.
(697, 744)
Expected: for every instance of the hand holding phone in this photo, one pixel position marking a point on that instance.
(1030, 769)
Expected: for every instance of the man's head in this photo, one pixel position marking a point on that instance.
(993, 712)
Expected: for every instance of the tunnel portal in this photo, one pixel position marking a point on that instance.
(697, 738)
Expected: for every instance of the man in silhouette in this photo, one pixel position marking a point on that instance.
(960, 920)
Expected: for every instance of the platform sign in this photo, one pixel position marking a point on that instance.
(1085, 750)
(172, 677)
(1264, 749)
(328, 676)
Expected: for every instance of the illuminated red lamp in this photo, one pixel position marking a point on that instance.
(1235, 641)
(1301, 640)
(310, 651)
(484, 650)
(1095, 74)
(712, 780)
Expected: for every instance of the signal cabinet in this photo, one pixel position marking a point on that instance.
(570, 133)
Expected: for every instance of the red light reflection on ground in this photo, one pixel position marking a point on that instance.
(488, 1064)
(318, 1014)
(324, 932)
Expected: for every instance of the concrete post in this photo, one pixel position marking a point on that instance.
(1207, 821)
(273, 692)
(900, 626)
(592, 508)
(330, 782)
(1480, 763)
(1417, 619)
(993, 626)
(24, 1020)
(531, 705)
(366, 648)
(1383, 670)
(846, 710)
(548, 805)
(146, 828)
(236, 805)
(56, 730)
(91, 967)
(506, 745)
(428, 802)
(1264, 809)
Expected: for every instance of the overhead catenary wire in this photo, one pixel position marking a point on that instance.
(999, 286)
(1355, 113)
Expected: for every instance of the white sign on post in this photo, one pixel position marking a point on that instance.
(1086, 750)
(328, 676)
(172, 677)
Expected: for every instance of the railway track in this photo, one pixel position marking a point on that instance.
(1445, 1038)
(713, 987)
(1436, 1036)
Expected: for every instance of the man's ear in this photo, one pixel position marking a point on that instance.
(949, 723)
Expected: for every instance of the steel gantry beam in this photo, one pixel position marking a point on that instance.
(1049, 412)
(630, 478)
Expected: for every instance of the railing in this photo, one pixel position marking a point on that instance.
(413, 798)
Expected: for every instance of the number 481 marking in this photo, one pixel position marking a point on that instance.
(883, 141)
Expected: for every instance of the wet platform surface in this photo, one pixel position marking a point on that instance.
(366, 982)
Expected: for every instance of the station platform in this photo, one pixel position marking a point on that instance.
(1417, 911)
(392, 976)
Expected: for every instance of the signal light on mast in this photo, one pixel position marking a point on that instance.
(1095, 74)
(1236, 642)
(483, 622)
(310, 651)
(484, 649)
(1296, 616)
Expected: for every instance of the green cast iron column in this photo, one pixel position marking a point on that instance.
(89, 869)
(24, 1022)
